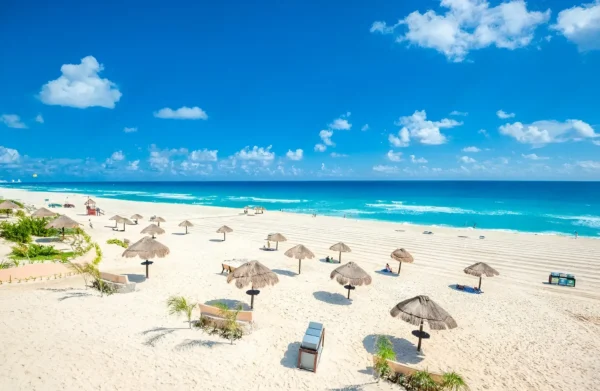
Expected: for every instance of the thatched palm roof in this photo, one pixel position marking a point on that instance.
(116, 218)
(481, 269)
(186, 223)
(341, 247)
(8, 204)
(43, 212)
(137, 217)
(401, 255)
(63, 222)
(299, 252)
(147, 248)
(159, 219)
(153, 229)
(422, 308)
(224, 229)
(352, 274)
(253, 273)
(125, 220)
(276, 237)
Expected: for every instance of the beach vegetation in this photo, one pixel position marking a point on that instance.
(227, 328)
(118, 242)
(36, 253)
(452, 381)
(90, 272)
(22, 230)
(179, 305)
(384, 352)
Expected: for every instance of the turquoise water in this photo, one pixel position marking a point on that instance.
(540, 207)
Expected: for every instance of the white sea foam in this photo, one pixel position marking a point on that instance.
(584, 221)
(267, 200)
(171, 196)
(112, 193)
(398, 206)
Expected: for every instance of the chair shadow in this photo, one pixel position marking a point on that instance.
(331, 298)
(229, 303)
(387, 274)
(284, 272)
(471, 290)
(216, 240)
(193, 343)
(290, 357)
(137, 278)
(74, 295)
(406, 351)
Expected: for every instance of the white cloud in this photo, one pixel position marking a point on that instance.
(295, 155)
(425, 131)
(39, 119)
(504, 160)
(338, 155)
(420, 160)
(459, 113)
(8, 155)
(533, 156)
(261, 154)
(204, 155)
(80, 86)
(596, 142)
(133, 166)
(365, 127)
(435, 169)
(589, 164)
(117, 156)
(484, 132)
(581, 25)
(161, 159)
(130, 130)
(326, 137)
(468, 25)
(12, 121)
(394, 156)
(504, 115)
(548, 131)
(340, 124)
(181, 113)
(320, 148)
(471, 149)
(386, 169)
(402, 141)
(467, 159)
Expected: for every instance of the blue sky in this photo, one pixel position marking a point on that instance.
(451, 89)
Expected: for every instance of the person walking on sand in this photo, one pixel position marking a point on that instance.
(576, 235)
(91, 226)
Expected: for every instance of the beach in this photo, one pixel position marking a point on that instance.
(520, 334)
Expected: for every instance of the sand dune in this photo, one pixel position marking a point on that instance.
(519, 335)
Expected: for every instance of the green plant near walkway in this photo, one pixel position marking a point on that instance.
(384, 352)
(452, 381)
(90, 272)
(179, 305)
(36, 253)
(117, 242)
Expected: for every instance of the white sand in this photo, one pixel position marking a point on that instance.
(519, 335)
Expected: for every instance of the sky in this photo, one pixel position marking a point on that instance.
(300, 90)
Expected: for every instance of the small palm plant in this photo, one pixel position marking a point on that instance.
(178, 305)
(385, 351)
(452, 381)
(422, 381)
(230, 329)
(87, 270)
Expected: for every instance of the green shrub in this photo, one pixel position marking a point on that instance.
(117, 242)
(179, 305)
(452, 381)
(20, 213)
(385, 351)
(228, 328)
(15, 232)
(421, 381)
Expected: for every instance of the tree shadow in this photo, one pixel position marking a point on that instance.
(406, 351)
(354, 387)
(290, 357)
(193, 343)
(58, 289)
(331, 298)
(215, 240)
(74, 295)
(284, 272)
(229, 303)
(157, 334)
(137, 278)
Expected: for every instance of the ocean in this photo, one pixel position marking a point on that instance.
(536, 207)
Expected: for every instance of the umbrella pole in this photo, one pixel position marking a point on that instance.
(420, 335)
(63, 233)
(299, 265)
(348, 293)
(252, 299)
(276, 245)
(186, 229)
(340, 256)
(399, 267)
(116, 222)
(123, 226)
(479, 283)
(147, 269)
(223, 236)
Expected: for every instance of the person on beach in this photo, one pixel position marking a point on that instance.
(388, 268)
(576, 234)
(91, 226)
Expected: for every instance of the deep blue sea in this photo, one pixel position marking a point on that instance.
(540, 207)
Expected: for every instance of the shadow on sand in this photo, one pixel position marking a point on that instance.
(406, 351)
(216, 240)
(179, 233)
(194, 343)
(387, 274)
(137, 278)
(158, 333)
(331, 298)
(74, 295)
(284, 272)
(290, 357)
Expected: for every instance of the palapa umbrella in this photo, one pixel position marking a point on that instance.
(136, 217)
(117, 219)
(146, 248)
(299, 252)
(256, 275)
(153, 229)
(224, 230)
(422, 308)
(159, 220)
(63, 222)
(8, 204)
(125, 220)
(342, 248)
(481, 269)
(276, 238)
(401, 255)
(43, 212)
(186, 224)
(352, 275)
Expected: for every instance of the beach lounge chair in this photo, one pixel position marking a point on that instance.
(230, 266)
(311, 348)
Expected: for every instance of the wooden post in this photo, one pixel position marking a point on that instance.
(420, 335)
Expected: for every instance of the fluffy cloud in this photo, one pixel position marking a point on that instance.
(589, 164)
(181, 113)
(581, 25)
(133, 166)
(386, 169)
(340, 124)
(326, 137)
(261, 154)
(204, 155)
(365, 127)
(39, 119)
(394, 156)
(130, 130)
(504, 115)
(546, 132)
(471, 149)
(484, 132)
(459, 113)
(117, 156)
(338, 155)
(160, 159)
(320, 148)
(420, 160)
(467, 159)
(596, 142)
(533, 156)
(12, 121)
(8, 155)
(468, 25)
(295, 155)
(80, 86)
(426, 132)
